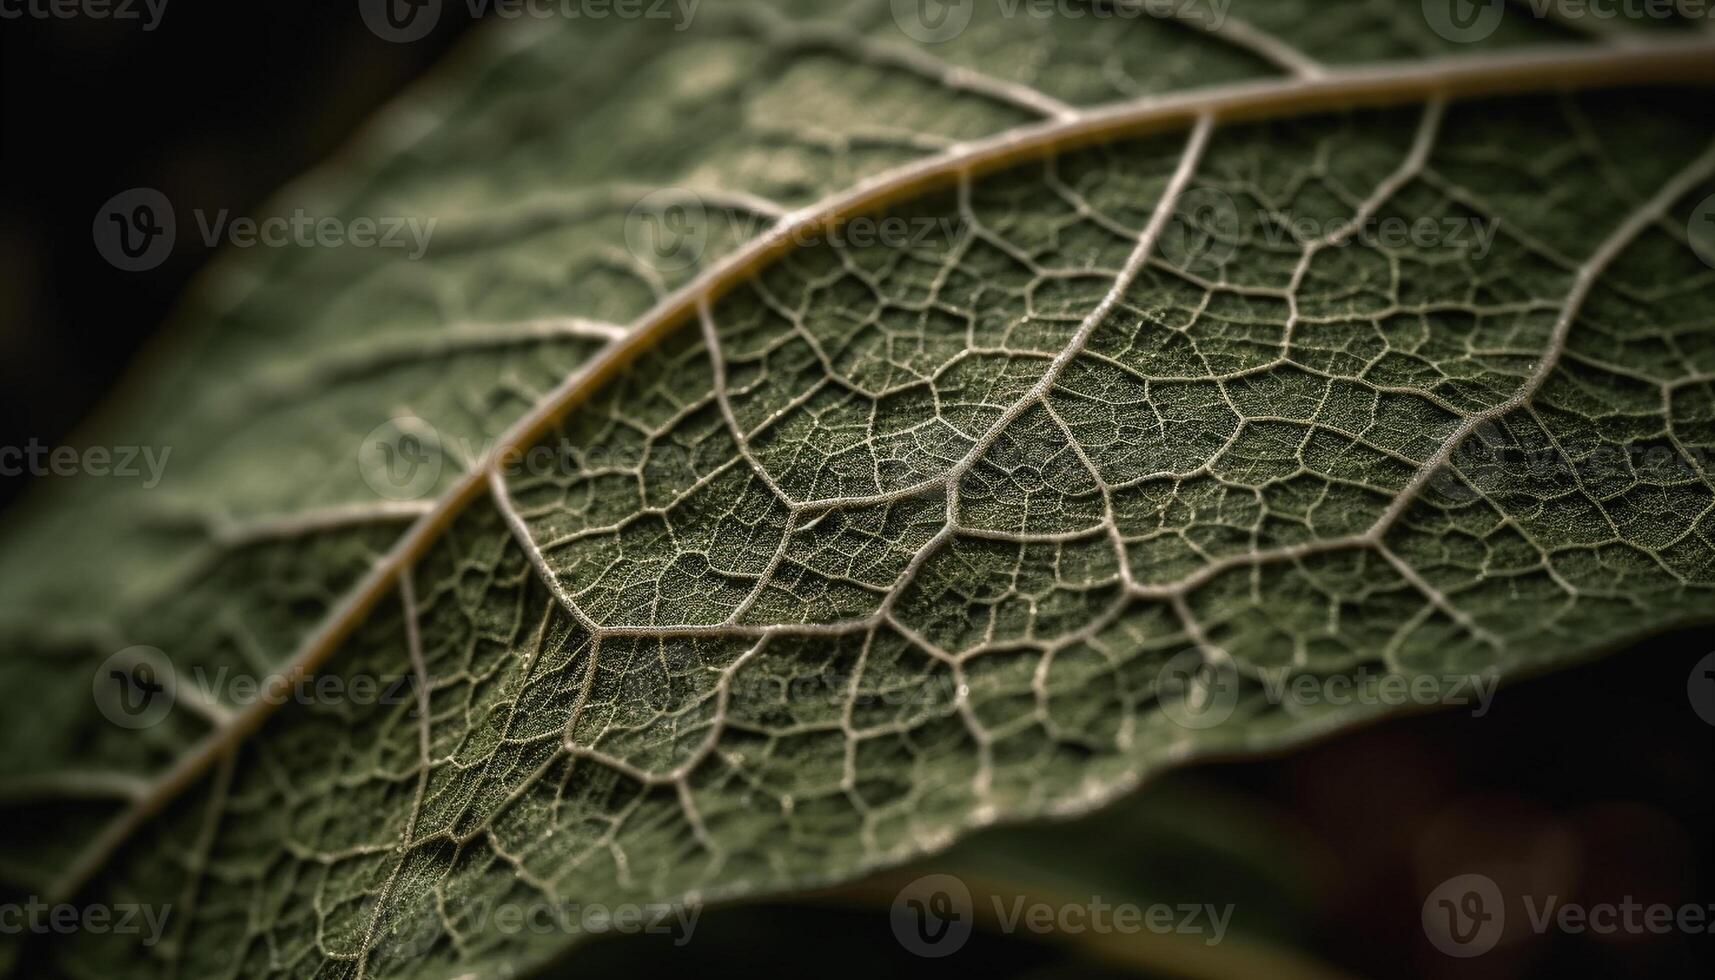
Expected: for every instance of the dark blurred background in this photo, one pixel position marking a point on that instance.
(1598, 782)
(217, 105)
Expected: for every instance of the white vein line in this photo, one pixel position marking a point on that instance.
(1437, 598)
(1682, 63)
(1652, 211)
(1127, 276)
(414, 648)
(515, 522)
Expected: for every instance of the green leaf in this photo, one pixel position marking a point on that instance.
(724, 541)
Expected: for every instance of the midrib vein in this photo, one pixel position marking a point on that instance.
(1540, 70)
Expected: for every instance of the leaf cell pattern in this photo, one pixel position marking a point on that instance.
(880, 541)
